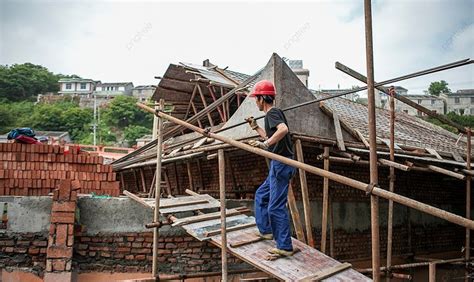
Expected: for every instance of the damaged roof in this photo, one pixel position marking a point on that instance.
(311, 120)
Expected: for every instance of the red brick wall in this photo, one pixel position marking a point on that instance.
(35, 170)
(132, 252)
(23, 250)
(430, 188)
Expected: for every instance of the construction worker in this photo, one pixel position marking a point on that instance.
(271, 212)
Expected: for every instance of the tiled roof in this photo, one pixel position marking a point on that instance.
(409, 130)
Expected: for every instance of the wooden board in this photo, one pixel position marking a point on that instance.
(211, 203)
(198, 230)
(305, 263)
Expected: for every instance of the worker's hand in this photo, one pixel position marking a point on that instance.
(259, 144)
(252, 122)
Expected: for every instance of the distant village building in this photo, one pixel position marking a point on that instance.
(110, 90)
(297, 67)
(430, 102)
(143, 92)
(76, 86)
(142, 141)
(400, 90)
(461, 102)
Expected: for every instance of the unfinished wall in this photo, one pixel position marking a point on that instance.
(109, 236)
(35, 170)
(414, 232)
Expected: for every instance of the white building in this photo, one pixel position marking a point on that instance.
(302, 73)
(113, 89)
(461, 102)
(430, 102)
(76, 86)
(143, 92)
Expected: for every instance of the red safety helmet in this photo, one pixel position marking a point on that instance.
(263, 87)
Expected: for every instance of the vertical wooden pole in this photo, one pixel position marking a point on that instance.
(331, 227)
(155, 126)
(468, 200)
(190, 176)
(295, 214)
(432, 272)
(374, 200)
(177, 179)
(122, 182)
(142, 176)
(221, 160)
(305, 194)
(324, 221)
(201, 182)
(391, 186)
(156, 215)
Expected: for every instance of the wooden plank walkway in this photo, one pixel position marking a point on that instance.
(304, 265)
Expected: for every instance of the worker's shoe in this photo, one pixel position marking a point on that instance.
(268, 236)
(279, 252)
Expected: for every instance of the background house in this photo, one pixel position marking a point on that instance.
(428, 101)
(76, 86)
(461, 102)
(143, 92)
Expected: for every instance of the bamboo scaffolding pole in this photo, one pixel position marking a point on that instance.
(324, 220)
(221, 161)
(453, 218)
(446, 172)
(190, 176)
(432, 272)
(414, 265)
(305, 195)
(374, 200)
(156, 214)
(391, 186)
(467, 253)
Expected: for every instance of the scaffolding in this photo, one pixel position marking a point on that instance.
(372, 188)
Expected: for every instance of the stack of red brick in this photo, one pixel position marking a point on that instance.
(35, 170)
(61, 230)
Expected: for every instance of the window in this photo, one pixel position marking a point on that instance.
(472, 100)
(406, 111)
(83, 85)
(432, 102)
(456, 100)
(419, 101)
(68, 86)
(471, 110)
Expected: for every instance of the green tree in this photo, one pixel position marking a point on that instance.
(133, 132)
(438, 87)
(23, 81)
(123, 111)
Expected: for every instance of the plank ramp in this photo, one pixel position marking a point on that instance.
(308, 262)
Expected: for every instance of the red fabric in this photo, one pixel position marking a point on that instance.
(26, 140)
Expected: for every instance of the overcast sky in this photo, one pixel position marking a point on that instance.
(135, 41)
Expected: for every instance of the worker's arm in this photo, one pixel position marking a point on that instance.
(282, 130)
(261, 132)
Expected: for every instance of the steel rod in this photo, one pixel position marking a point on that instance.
(453, 218)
